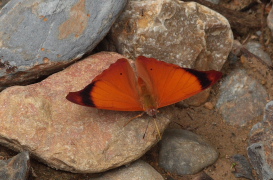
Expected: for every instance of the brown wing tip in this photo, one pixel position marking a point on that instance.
(206, 78)
(75, 97)
(214, 76)
(82, 97)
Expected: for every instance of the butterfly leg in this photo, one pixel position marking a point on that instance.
(146, 130)
(139, 115)
(159, 134)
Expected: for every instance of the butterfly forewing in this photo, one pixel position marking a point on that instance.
(171, 83)
(114, 89)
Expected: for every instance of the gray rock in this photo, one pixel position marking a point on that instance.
(139, 170)
(15, 168)
(38, 37)
(67, 136)
(183, 152)
(260, 150)
(242, 98)
(257, 49)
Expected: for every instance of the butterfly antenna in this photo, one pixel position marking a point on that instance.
(146, 129)
(133, 119)
(159, 134)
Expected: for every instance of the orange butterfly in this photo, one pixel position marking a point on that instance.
(158, 84)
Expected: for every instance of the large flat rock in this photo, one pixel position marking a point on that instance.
(67, 136)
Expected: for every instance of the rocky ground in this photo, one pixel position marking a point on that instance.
(248, 22)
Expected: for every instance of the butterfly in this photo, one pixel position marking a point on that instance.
(156, 84)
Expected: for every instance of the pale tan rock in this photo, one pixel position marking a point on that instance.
(184, 33)
(209, 105)
(67, 136)
(138, 170)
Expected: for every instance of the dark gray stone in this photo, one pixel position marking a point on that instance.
(256, 154)
(183, 152)
(242, 167)
(15, 168)
(260, 150)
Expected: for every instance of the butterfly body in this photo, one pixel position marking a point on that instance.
(157, 84)
(147, 99)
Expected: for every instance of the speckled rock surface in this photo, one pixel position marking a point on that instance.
(138, 170)
(66, 136)
(241, 99)
(38, 37)
(184, 33)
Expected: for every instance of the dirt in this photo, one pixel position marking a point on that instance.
(228, 140)
(202, 120)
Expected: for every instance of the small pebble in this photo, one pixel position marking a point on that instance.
(209, 105)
